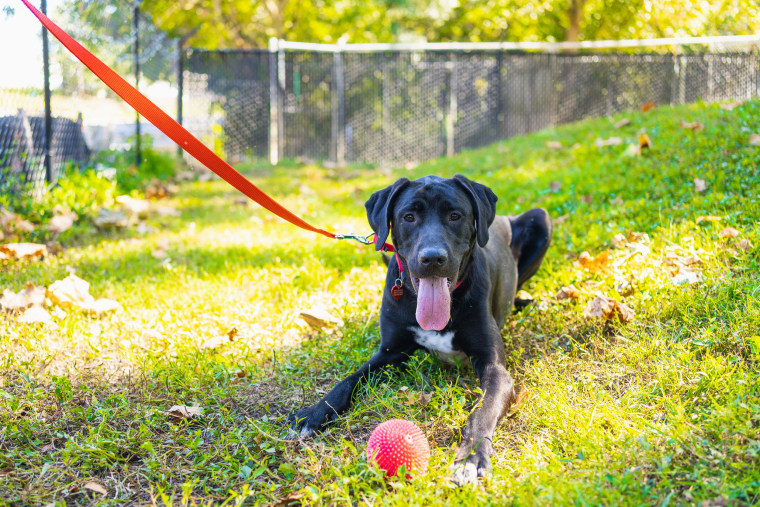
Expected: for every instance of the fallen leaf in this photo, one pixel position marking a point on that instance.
(54, 247)
(686, 276)
(31, 295)
(23, 250)
(618, 241)
(699, 185)
(638, 237)
(588, 199)
(524, 295)
(598, 263)
(617, 201)
(568, 292)
(36, 315)
(555, 186)
(12, 223)
(554, 145)
(97, 488)
(647, 106)
(159, 189)
(728, 232)
(709, 218)
(730, 106)
(110, 219)
(215, 342)
(695, 126)
(604, 307)
(61, 223)
(425, 398)
(560, 220)
(612, 141)
(319, 319)
(184, 412)
(167, 211)
(135, 206)
(633, 150)
(158, 253)
(644, 141)
(754, 139)
(744, 245)
(74, 292)
(622, 123)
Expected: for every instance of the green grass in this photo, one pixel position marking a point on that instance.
(664, 410)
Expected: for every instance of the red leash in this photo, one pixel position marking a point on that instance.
(174, 130)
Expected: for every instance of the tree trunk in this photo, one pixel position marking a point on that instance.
(575, 13)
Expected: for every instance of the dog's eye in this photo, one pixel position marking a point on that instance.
(409, 217)
(454, 216)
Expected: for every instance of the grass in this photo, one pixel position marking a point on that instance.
(663, 410)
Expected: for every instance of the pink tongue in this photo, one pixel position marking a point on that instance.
(433, 303)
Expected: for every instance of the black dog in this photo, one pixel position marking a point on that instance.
(461, 266)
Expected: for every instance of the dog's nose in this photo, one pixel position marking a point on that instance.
(433, 257)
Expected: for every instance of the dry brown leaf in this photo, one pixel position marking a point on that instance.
(110, 219)
(554, 145)
(184, 412)
(730, 106)
(588, 199)
(644, 141)
(167, 211)
(617, 201)
(97, 488)
(728, 232)
(754, 139)
(555, 186)
(424, 398)
(612, 141)
(560, 220)
(568, 292)
(137, 207)
(622, 123)
(647, 106)
(158, 253)
(744, 245)
(72, 291)
(12, 223)
(686, 276)
(598, 263)
(159, 189)
(319, 319)
(36, 315)
(61, 223)
(638, 237)
(709, 218)
(23, 250)
(604, 307)
(695, 126)
(215, 342)
(618, 240)
(699, 185)
(524, 295)
(31, 295)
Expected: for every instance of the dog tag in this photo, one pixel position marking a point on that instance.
(397, 290)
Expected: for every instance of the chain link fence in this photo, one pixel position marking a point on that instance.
(387, 107)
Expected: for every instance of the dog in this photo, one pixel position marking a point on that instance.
(450, 289)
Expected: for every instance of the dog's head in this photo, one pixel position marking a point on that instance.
(435, 223)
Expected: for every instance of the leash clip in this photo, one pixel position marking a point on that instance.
(364, 240)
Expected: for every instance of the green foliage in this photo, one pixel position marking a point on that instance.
(160, 165)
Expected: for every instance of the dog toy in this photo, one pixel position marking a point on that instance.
(398, 442)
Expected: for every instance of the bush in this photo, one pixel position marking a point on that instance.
(155, 165)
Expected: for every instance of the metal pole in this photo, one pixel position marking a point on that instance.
(180, 85)
(136, 25)
(274, 152)
(48, 156)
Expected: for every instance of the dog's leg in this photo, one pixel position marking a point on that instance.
(309, 420)
(473, 458)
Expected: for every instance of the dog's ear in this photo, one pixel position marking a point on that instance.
(380, 210)
(483, 205)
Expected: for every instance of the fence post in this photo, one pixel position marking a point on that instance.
(274, 138)
(338, 144)
(180, 85)
(136, 49)
(48, 154)
(451, 109)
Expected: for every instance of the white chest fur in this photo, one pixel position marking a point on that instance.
(438, 343)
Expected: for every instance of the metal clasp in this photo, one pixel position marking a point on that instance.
(364, 240)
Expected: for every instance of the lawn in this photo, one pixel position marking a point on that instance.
(661, 409)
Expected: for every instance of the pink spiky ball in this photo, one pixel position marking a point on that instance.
(398, 442)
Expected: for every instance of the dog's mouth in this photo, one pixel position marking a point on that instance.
(433, 301)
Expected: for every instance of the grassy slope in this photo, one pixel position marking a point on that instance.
(662, 410)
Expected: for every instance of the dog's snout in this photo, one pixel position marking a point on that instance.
(433, 257)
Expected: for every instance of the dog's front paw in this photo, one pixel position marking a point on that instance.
(309, 420)
(470, 465)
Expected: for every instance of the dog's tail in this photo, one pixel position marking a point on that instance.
(531, 236)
